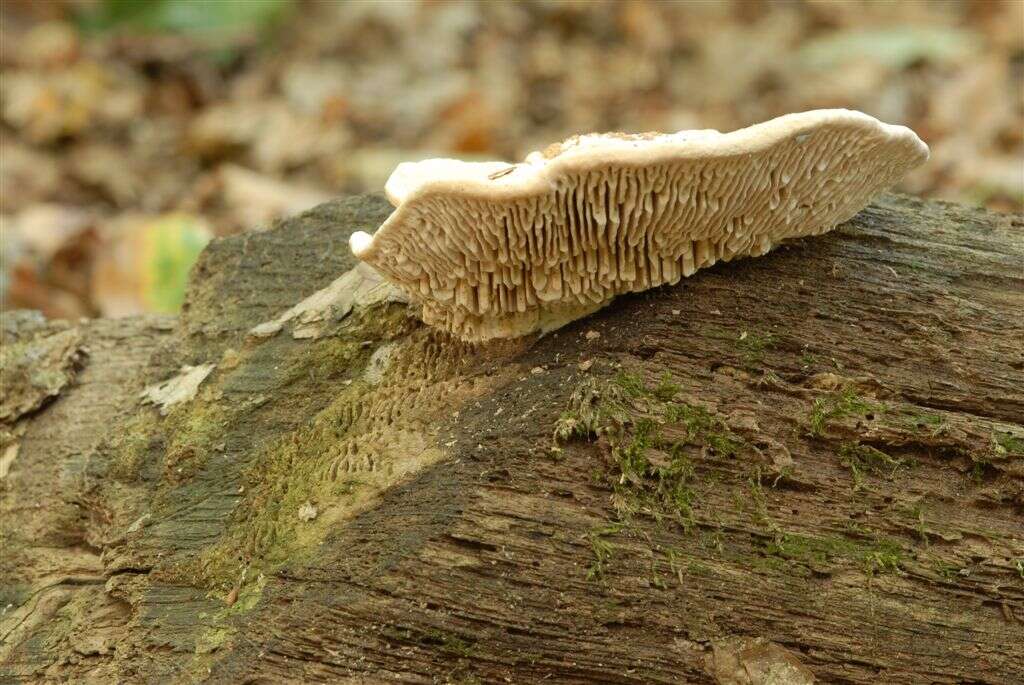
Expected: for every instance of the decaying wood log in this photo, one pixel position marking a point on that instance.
(806, 463)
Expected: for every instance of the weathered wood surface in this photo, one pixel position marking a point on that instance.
(822, 448)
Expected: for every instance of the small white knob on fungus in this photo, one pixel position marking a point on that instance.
(493, 250)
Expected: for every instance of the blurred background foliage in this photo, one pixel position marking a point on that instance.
(132, 131)
(182, 16)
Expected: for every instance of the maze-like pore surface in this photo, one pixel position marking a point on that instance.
(550, 240)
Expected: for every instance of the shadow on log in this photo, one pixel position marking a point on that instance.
(809, 464)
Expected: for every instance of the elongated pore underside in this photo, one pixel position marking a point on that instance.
(493, 249)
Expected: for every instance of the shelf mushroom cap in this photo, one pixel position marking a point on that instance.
(498, 250)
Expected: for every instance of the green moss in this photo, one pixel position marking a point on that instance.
(838, 405)
(656, 579)
(712, 540)
(758, 502)
(649, 474)
(317, 461)
(916, 514)
(431, 637)
(1008, 444)
(674, 563)
(886, 560)
(944, 569)
(921, 420)
(196, 431)
(765, 564)
(327, 359)
(724, 444)
(752, 346)
(448, 642)
(630, 383)
(211, 638)
(695, 568)
(189, 435)
(593, 407)
(631, 456)
(285, 473)
(652, 477)
(249, 596)
(865, 459)
(130, 447)
(704, 429)
(979, 467)
(875, 556)
(675, 490)
(291, 472)
(602, 549)
(667, 389)
(571, 425)
(697, 420)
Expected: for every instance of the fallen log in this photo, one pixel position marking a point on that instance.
(809, 464)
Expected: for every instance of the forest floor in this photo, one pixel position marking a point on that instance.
(131, 133)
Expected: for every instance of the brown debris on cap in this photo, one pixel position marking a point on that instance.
(493, 251)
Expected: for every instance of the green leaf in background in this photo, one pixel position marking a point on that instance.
(171, 246)
(895, 47)
(187, 16)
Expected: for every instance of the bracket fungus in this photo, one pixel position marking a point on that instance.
(497, 250)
